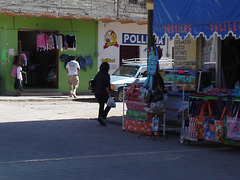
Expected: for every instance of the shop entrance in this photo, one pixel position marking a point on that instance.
(128, 52)
(230, 61)
(41, 68)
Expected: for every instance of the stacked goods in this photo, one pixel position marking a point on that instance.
(181, 77)
(137, 118)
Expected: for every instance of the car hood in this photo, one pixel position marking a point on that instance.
(121, 79)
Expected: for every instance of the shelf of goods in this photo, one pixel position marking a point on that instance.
(212, 118)
(141, 117)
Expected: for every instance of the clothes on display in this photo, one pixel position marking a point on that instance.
(41, 41)
(18, 79)
(83, 62)
(20, 59)
(71, 41)
(52, 41)
(88, 60)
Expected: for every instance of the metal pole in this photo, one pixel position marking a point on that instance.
(150, 30)
(123, 116)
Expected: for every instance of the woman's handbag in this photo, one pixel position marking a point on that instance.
(233, 126)
(111, 102)
(193, 110)
(209, 129)
(219, 127)
(200, 120)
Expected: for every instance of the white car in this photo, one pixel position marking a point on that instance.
(131, 71)
(127, 74)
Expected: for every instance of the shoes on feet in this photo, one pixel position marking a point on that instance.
(74, 95)
(101, 122)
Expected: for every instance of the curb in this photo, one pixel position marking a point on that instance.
(45, 98)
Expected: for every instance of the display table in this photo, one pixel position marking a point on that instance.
(212, 117)
(139, 116)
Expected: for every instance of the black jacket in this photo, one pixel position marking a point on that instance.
(100, 82)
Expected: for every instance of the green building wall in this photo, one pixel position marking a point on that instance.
(86, 37)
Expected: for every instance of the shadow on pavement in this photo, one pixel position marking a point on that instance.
(90, 100)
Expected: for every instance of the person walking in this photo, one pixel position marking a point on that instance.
(73, 70)
(101, 84)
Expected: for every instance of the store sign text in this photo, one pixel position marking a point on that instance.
(226, 26)
(173, 29)
(108, 60)
(131, 38)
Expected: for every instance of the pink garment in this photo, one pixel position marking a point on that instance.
(24, 57)
(50, 42)
(14, 71)
(42, 41)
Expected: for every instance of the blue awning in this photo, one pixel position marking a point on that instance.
(196, 17)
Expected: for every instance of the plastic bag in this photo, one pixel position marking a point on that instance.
(111, 102)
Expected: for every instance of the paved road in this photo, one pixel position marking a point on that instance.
(62, 147)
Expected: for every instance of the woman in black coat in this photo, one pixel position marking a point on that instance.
(101, 84)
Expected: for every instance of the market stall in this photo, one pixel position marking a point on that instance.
(213, 25)
(146, 101)
(212, 116)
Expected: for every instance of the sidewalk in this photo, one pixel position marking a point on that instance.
(45, 98)
(113, 119)
(88, 101)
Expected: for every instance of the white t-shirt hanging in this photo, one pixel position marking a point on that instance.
(19, 73)
(60, 45)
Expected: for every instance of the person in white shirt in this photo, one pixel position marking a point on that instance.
(73, 70)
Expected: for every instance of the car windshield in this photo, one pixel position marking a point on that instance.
(126, 70)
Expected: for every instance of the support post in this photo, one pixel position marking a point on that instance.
(150, 23)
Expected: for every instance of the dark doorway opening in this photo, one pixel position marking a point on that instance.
(41, 69)
(230, 61)
(128, 52)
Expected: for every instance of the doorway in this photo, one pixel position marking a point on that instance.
(128, 52)
(230, 61)
(41, 69)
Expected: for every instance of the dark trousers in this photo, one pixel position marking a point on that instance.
(103, 112)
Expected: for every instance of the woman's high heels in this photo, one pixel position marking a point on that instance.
(101, 122)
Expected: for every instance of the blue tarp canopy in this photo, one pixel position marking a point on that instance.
(196, 17)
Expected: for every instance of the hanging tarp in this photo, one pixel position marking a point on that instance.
(196, 17)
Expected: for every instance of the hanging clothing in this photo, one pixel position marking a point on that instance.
(60, 43)
(41, 41)
(23, 59)
(19, 73)
(88, 60)
(64, 42)
(71, 41)
(55, 41)
(50, 42)
(18, 80)
(65, 58)
(82, 63)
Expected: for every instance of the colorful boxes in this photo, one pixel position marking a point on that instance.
(138, 126)
(136, 105)
(179, 80)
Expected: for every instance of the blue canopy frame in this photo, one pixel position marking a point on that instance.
(196, 17)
